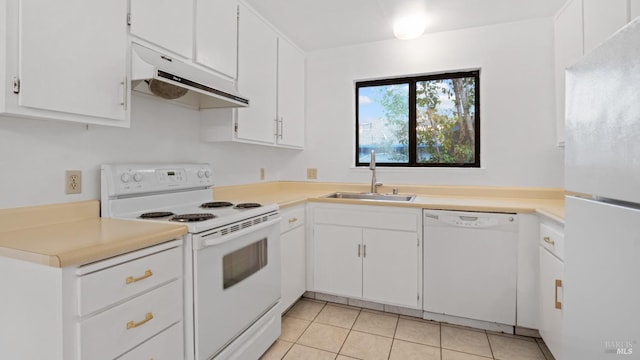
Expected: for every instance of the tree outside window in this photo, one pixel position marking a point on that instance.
(427, 121)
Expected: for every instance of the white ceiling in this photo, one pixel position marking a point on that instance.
(318, 24)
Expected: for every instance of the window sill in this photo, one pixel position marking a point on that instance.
(420, 170)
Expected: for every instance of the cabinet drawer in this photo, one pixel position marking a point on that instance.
(291, 219)
(105, 287)
(113, 332)
(552, 239)
(374, 218)
(167, 345)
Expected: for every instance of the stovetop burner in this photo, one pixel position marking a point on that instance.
(192, 217)
(247, 205)
(156, 214)
(216, 204)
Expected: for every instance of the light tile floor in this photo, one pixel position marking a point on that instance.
(314, 329)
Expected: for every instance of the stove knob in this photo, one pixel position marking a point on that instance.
(207, 173)
(137, 177)
(125, 177)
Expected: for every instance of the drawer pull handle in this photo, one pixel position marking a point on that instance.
(558, 304)
(548, 240)
(132, 279)
(132, 324)
(292, 220)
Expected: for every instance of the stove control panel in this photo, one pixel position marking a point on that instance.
(123, 179)
(177, 176)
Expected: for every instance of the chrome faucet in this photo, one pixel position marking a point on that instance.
(372, 167)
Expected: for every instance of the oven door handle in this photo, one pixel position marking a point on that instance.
(205, 243)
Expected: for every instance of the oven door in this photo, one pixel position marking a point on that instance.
(236, 280)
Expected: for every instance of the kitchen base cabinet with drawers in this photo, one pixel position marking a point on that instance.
(126, 307)
(551, 275)
(371, 253)
(292, 255)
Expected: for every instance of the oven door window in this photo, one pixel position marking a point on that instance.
(244, 262)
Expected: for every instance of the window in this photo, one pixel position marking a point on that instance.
(422, 121)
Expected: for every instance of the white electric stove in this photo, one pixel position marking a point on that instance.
(232, 254)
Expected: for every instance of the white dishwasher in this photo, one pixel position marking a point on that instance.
(470, 265)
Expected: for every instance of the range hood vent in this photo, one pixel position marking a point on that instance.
(160, 75)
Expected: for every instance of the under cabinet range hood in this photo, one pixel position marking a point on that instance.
(160, 75)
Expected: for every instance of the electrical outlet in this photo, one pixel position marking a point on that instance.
(73, 182)
(312, 173)
(261, 173)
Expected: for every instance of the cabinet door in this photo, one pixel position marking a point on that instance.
(217, 35)
(166, 23)
(290, 95)
(390, 267)
(568, 49)
(257, 65)
(634, 9)
(72, 57)
(338, 260)
(293, 265)
(551, 270)
(601, 20)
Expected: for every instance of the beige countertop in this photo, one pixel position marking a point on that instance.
(72, 234)
(548, 202)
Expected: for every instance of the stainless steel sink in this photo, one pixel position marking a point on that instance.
(370, 196)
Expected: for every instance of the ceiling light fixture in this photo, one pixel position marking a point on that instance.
(409, 27)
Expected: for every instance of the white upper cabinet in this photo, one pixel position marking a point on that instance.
(165, 23)
(290, 95)
(601, 20)
(271, 73)
(257, 78)
(216, 41)
(568, 47)
(65, 61)
(634, 9)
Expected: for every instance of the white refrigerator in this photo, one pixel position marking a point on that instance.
(601, 286)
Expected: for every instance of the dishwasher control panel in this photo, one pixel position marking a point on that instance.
(470, 219)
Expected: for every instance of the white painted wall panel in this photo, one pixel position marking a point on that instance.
(517, 116)
(517, 104)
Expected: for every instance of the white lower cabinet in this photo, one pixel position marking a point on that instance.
(368, 252)
(138, 314)
(338, 260)
(293, 255)
(551, 254)
(390, 266)
(165, 346)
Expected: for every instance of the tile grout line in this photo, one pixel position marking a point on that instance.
(440, 330)
(490, 347)
(393, 339)
(303, 331)
(349, 333)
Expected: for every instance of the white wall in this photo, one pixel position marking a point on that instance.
(517, 104)
(34, 154)
(518, 139)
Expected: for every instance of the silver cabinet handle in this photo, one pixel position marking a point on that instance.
(281, 127)
(124, 93)
(359, 247)
(364, 251)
